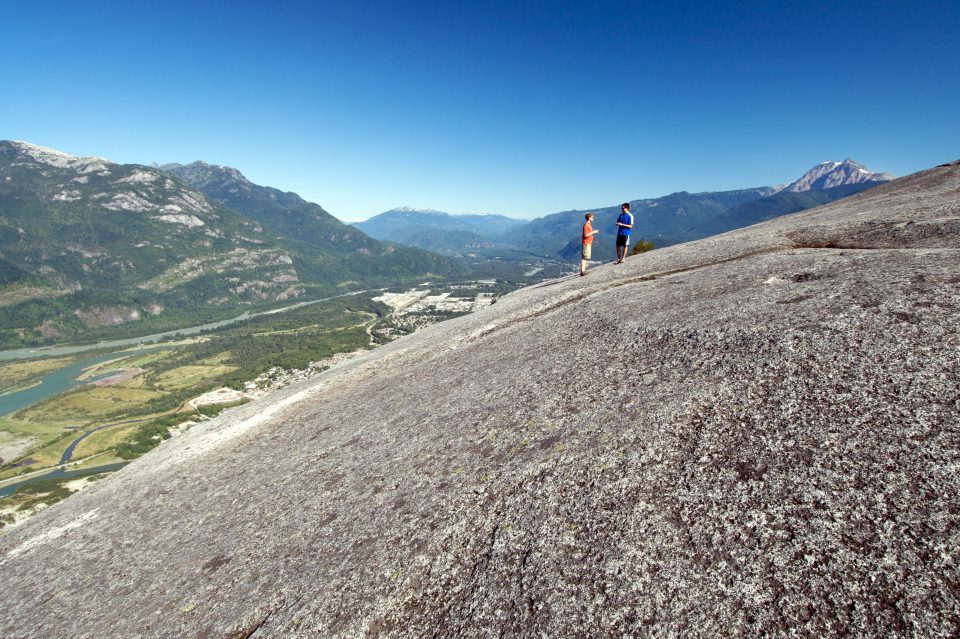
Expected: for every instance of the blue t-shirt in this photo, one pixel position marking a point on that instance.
(625, 218)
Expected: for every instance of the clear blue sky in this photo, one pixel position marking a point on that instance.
(520, 108)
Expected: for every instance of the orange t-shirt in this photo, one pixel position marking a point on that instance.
(587, 233)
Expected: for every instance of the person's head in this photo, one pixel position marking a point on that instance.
(588, 217)
(625, 206)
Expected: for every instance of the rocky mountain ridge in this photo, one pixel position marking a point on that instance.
(753, 434)
(285, 212)
(122, 237)
(290, 216)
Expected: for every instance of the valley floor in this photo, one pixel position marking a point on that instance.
(133, 400)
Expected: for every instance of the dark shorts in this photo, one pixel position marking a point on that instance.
(623, 240)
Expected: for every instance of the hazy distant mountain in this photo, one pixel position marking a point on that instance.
(438, 231)
(782, 203)
(828, 175)
(678, 217)
(682, 217)
(665, 220)
(86, 244)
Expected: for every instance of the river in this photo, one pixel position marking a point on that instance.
(65, 378)
(60, 380)
(58, 474)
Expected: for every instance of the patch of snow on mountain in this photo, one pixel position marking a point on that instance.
(828, 175)
(411, 209)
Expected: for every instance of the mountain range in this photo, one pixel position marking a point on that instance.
(87, 245)
(671, 219)
(439, 231)
(90, 248)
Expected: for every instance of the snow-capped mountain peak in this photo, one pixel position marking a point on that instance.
(833, 173)
(414, 209)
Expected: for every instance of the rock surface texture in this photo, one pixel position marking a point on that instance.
(753, 434)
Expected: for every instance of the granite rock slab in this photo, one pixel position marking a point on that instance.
(753, 434)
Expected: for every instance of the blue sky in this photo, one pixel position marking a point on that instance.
(519, 108)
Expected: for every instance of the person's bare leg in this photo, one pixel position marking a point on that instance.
(583, 266)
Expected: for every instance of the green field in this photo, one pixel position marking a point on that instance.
(190, 376)
(88, 406)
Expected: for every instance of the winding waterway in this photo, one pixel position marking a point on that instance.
(60, 473)
(64, 378)
(60, 380)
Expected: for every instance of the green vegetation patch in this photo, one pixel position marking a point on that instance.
(134, 359)
(44, 431)
(188, 376)
(21, 293)
(104, 441)
(291, 339)
(38, 494)
(139, 413)
(149, 436)
(642, 246)
(88, 405)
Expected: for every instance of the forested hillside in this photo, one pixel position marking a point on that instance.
(87, 245)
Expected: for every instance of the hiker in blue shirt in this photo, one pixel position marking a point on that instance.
(624, 224)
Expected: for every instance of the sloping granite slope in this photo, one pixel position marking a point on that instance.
(753, 434)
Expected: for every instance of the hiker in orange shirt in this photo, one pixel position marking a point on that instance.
(587, 245)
